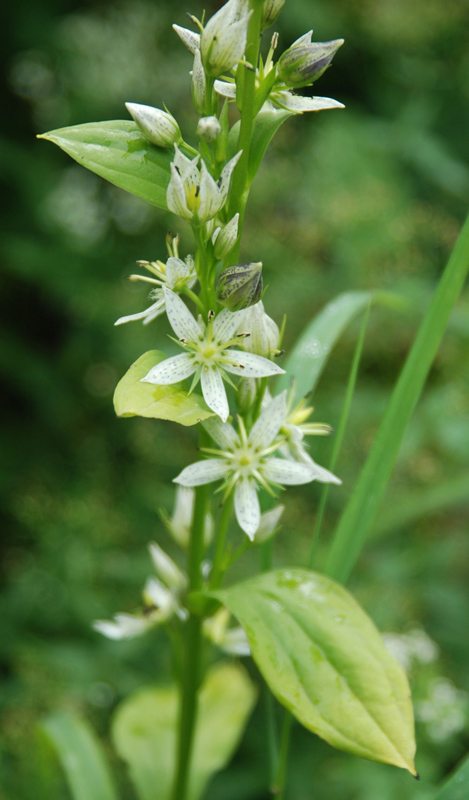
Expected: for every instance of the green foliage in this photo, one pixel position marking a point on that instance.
(145, 724)
(119, 152)
(324, 660)
(81, 756)
(134, 398)
(363, 505)
(266, 126)
(457, 786)
(310, 354)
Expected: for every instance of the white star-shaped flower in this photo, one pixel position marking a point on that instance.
(209, 354)
(193, 193)
(175, 274)
(246, 461)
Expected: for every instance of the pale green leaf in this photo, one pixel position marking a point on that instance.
(457, 785)
(266, 125)
(309, 356)
(361, 510)
(144, 731)
(81, 755)
(117, 151)
(324, 660)
(134, 398)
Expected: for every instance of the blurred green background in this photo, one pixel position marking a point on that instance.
(370, 197)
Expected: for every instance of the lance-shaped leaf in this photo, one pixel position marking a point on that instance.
(309, 356)
(132, 398)
(325, 661)
(266, 125)
(81, 755)
(118, 151)
(145, 726)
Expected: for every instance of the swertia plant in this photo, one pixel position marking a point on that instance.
(318, 652)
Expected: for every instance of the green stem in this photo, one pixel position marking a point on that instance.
(340, 435)
(279, 786)
(240, 182)
(195, 299)
(191, 667)
(218, 567)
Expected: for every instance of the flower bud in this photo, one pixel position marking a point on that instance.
(223, 40)
(157, 126)
(304, 62)
(240, 286)
(268, 524)
(264, 333)
(224, 239)
(208, 128)
(166, 569)
(270, 11)
(247, 391)
(198, 84)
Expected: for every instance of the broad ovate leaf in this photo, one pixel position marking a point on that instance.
(325, 661)
(88, 774)
(145, 725)
(134, 398)
(118, 152)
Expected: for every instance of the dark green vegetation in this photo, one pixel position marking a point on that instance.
(367, 198)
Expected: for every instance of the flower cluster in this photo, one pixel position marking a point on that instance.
(230, 344)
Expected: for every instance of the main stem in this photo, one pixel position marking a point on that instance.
(240, 183)
(191, 678)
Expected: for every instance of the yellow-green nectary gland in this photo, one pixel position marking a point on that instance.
(240, 286)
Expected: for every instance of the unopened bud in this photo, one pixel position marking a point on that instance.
(224, 239)
(223, 39)
(270, 11)
(208, 128)
(198, 83)
(304, 63)
(247, 392)
(264, 333)
(157, 126)
(240, 286)
(268, 525)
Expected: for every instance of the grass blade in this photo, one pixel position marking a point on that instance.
(362, 507)
(81, 756)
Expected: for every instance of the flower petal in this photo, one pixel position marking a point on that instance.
(213, 469)
(299, 104)
(148, 315)
(172, 370)
(269, 524)
(180, 318)
(247, 508)
(124, 626)
(225, 89)
(221, 432)
(186, 167)
(287, 473)
(248, 365)
(176, 195)
(321, 474)
(176, 270)
(166, 569)
(214, 392)
(188, 37)
(211, 199)
(270, 421)
(226, 324)
(157, 594)
(225, 177)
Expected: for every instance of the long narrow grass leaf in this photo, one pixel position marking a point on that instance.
(339, 437)
(81, 755)
(362, 507)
